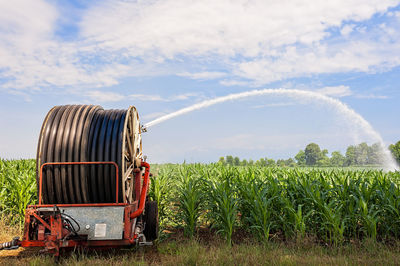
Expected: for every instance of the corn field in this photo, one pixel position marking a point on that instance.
(17, 188)
(334, 206)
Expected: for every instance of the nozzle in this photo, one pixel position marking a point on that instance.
(143, 128)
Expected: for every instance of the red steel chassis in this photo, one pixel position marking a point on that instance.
(58, 234)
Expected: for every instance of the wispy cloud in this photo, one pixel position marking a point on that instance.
(371, 96)
(336, 91)
(203, 75)
(210, 32)
(104, 96)
(347, 29)
(233, 82)
(109, 96)
(119, 39)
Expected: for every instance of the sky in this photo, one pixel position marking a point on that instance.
(161, 56)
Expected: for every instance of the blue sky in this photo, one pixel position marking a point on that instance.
(161, 56)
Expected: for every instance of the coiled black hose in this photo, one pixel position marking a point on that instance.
(79, 133)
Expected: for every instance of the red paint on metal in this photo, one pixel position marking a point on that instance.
(138, 183)
(144, 191)
(128, 222)
(41, 220)
(32, 243)
(27, 224)
(41, 231)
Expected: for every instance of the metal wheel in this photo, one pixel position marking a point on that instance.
(131, 153)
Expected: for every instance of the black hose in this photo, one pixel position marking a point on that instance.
(77, 133)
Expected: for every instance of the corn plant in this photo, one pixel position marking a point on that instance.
(161, 191)
(297, 219)
(223, 205)
(18, 188)
(190, 199)
(260, 202)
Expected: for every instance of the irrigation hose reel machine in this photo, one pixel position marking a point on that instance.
(92, 182)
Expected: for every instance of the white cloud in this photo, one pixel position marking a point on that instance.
(347, 29)
(232, 82)
(203, 75)
(371, 96)
(355, 56)
(104, 96)
(262, 33)
(223, 27)
(336, 91)
(147, 97)
(109, 96)
(32, 57)
(259, 41)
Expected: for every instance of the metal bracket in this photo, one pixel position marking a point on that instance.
(141, 244)
(142, 241)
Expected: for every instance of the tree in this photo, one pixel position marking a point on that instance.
(350, 156)
(312, 154)
(324, 159)
(337, 159)
(270, 162)
(280, 162)
(395, 149)
(221, 160)
(236, 161)
(290, 162)
(261, 162)
(251, 162)
(361, 153)
(300, 158)
(229, 159)
(374, 154)
(244, 162)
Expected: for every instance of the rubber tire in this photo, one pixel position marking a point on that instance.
(151, 221)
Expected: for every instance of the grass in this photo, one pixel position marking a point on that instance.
(205, 249)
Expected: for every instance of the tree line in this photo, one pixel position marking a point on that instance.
(355, 155)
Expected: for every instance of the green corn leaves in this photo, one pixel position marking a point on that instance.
(190, 199)
(331, 205)
(18, 188)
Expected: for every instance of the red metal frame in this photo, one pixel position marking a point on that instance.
(55, 240)
(144, 191)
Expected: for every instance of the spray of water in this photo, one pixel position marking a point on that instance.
(356, 119)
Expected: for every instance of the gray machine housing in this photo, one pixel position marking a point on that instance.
(98, 223)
